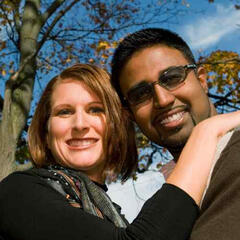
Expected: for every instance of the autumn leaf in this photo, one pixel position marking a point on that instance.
(102, 45)
(3, 72)
(91, 60)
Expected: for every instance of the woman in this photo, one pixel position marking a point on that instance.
(77, 138)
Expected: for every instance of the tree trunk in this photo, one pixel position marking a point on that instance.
(18, 92)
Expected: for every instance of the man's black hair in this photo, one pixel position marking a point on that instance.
(142, 39)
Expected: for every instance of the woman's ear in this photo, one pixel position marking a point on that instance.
(202, 77)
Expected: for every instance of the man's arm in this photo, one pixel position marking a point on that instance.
(220, 211)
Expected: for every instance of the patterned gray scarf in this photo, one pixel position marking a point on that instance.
(92, 196)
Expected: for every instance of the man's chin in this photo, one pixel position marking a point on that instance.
(175, 143)
(175, 138)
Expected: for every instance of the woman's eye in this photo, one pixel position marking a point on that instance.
(63, 112)
(96, 110)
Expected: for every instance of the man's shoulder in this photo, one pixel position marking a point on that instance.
(227, 144)
(227, 157)
(231, 137)
(221, 204)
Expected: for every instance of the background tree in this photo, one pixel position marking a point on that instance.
(40, 37)
(223, 68)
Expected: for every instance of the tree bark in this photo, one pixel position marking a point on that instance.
(18, 92)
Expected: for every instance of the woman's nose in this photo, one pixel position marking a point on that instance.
(80, 121)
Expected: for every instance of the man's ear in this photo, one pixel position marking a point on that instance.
(202, 77)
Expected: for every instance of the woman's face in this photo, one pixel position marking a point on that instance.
(76, 128)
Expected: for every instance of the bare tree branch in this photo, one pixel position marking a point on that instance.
(149, 162)
(54, 22)
(224, 100)
(9, 53)
(11, 32)
(54, 6)
(220, 97)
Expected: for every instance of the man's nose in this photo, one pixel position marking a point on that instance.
(162, 97)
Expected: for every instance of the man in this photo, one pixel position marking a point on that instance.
(157, 79)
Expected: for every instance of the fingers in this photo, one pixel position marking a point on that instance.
(220, 124)
(231, 121)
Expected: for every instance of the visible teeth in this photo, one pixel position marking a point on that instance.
(80, 143)
(174, 117)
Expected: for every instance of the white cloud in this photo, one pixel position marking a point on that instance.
(209, 30)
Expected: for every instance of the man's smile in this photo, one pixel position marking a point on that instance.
(171, 118)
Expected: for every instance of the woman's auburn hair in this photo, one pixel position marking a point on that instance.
(119, 143)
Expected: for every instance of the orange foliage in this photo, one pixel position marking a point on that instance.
(103, 50)
(223, 68)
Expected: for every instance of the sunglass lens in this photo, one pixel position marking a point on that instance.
(172, 78)
(140, 94)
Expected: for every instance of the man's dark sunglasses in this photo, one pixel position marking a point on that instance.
(171, 79)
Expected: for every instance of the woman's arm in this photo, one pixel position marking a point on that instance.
(194, 164)
(30, 209)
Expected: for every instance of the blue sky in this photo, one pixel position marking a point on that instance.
(217, 27)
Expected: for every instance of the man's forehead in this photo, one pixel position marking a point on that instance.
(148, 64)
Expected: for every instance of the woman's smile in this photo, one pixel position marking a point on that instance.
(81, 143)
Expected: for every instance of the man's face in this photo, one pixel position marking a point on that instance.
(169, 116)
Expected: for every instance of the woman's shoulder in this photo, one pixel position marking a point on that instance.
(19, 176)
(21, 181)
(26, 188)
